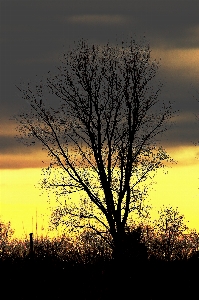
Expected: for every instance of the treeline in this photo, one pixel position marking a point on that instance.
(159, 256)
(168, 238)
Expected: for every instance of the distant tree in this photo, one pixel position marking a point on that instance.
(190, 244)
(100, 135)
(6, 232)
(167, 240)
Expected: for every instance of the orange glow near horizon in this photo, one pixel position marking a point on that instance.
(24, 205)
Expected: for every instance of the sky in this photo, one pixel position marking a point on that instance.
(33, 38)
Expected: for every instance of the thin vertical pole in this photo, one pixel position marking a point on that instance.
(31, 245)
(36, 225)
(32, 223)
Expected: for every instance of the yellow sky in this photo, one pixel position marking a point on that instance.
(20, 199)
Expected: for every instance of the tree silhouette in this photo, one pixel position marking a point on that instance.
(169, 242)
(100, 135)
(6, 232)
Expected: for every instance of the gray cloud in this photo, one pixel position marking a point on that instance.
(9, 145)
(34, 34)
(95, 19)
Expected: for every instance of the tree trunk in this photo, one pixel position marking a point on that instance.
(129, 249)
(119, 251)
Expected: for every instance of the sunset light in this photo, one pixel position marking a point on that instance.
(99, 149)
(22, 197)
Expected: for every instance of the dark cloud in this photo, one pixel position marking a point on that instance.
(10, 145)
(184, 133)
(34, 34)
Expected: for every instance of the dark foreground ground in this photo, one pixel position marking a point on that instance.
(52, 279)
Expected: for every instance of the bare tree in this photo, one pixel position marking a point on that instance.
(100, 135)
(169, 241)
